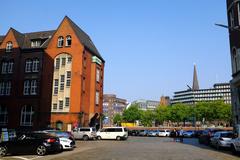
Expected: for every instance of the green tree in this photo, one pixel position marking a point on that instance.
(147, 117)
(162, 114)
(117, 119)
(179, 112)
(132, 113)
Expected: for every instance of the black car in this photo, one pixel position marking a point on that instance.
(206, 135)
(38, 143)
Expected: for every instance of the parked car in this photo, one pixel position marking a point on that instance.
(235, 145)
(204, 138)
(39, 143)
(84, 133)
(133, 132)
(198, 133)
(143, 132)
(118, 133)
(189, 133)
(164, 133)
(221, 139)
(67, 140)
(153, 133)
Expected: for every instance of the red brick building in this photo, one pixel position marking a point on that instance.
(49, 78)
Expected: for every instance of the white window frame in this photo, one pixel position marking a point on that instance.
(54, 107)
(9, 46)
(4, 67)
(8, 86)
(55, 88)
(4, 113)
(97, 98)
(24, 114)
(67, 102)
(2, 88)
(10, 67)
(35, 43)
(98, 75)
(60, 41)
(60, 103)
(35, 65)
(62, 81)
(68, 41)
(68, 78)
(33, 90)
(57, 63)
(28, 65)
(26, 87)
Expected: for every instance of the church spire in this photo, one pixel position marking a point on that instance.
(195, 85)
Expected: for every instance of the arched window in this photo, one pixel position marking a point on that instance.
(3, 115)
(68, 40)
(60, 41)
(235, 60)
(9, 46)
(26, 116)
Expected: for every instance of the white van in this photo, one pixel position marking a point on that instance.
(118, 133)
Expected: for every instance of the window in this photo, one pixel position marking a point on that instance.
(68, 81)
(4, 67)
(8, 88)
(55, 86)
(62, 82)
(26, 116)
(2, 88)
(69, 59)
(35, 65)
(83, 85)
(63, 61)
(98, 75)
(67, 102)
(54, 106)
(235, 62)
(68, 41)
(10, 67)
(60, 104)
(60, 41)
(84, 62)
(3, 115)
(26, 87)
(97, 97)
(35, 43)
(9, 47)
(57, 63)
(28, 65)
(30, 87)
(33, 87)
(231, 18)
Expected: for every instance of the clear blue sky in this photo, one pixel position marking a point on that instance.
(149, 46)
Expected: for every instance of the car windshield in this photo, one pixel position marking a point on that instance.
(227, 135)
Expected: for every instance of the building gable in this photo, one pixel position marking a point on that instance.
(15, 37)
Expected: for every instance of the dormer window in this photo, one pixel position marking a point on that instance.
(60, 41)
(9, 47)
(68, 40)
(35, 43)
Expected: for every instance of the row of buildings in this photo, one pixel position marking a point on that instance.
(50, 78)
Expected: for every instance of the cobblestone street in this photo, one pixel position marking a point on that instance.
(147, 148)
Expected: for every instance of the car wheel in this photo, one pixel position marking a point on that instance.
(233, 149)
(41, 150)
(99, 138)
(3, 151)
(61, 148)
(218, 147)
(118, 138)
(85, 138)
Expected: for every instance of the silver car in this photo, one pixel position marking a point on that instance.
(85, 133)
(221, 139)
